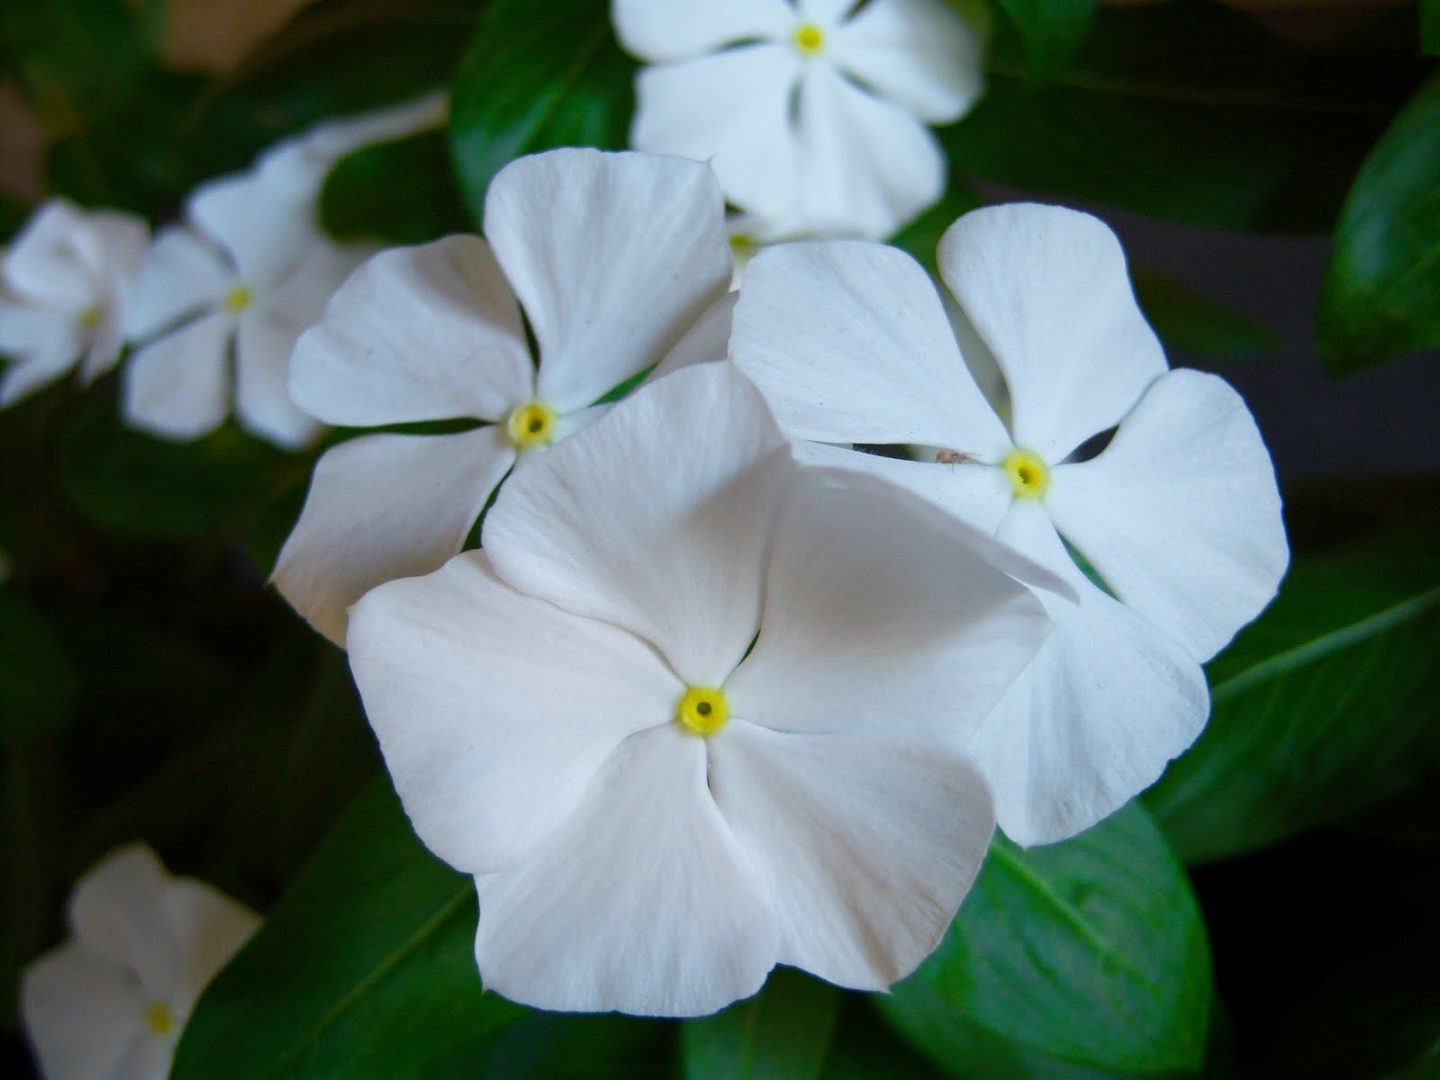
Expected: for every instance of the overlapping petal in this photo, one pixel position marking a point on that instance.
(118, 910)
(264, 217)
(208, 928)
(42, 344)
(182, 275)
(675, 29)
(43, 264)
(919, 54)
(83, 1012)
(263, 342)
(178, 387)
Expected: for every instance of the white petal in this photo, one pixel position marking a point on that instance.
(43, 264)
(264, 218)
(43, 344)
(418, 333)
(613, 257)
(181, 275)
(149, 1058)
(708, 339)
(262, 397)
(868, 840)
(731, 109)
(866, 165)
(675, 29)
(825, 12)
(849, 343)
(82, 1011)
(107, 340)
(1093, 720)
(1180, 514)
(209, 928)
(642, 901)
(24, 377)
(919, 54)
(116, 243)
(656, 518)
(118, 909)
(881, 610)
(1047, 290)
(383, 507)
(178, 386)
(495, 710)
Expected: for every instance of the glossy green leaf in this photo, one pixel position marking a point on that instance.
(37, 680)
(1091, 951)
(365, 968)
(1327, 703)
(1381, 293)
(1053, 30)
(1188, 112)
(400, 192)
(782, 1033)
(537, 76)
(1192, 323)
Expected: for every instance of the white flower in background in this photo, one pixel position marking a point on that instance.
(612, 257)
(657, 804)
(63, 285)
(1178, 514)
(813, 115)
(112, 1001)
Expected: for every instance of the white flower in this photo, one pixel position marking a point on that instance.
(813, 115)
(678, 714)
(112, 1001)
(612, 258)
(62, 294)
(1178, 514)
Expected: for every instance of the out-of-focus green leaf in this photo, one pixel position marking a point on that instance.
(1091, 951)
(782, 1033)
(1188, 322)
(1188, 112)
(1053, 30)
(567, 1046)
(1430, 26)
(922, 236)
(1381, 293)
(37, 681)
(537, 76)
(400, 192)
(1328, 703)
(365, 968)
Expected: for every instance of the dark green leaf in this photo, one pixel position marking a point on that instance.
(1430, 26)
(1053, 30)
(1188, 322)
(365, 968)
(561, 1046)
(782, 1033)
(922, 236)
(37, 681)
(1091, 951)
(537, 76)
(865, 1046)
(400, 192)
(1381, 293)
(1327, 703)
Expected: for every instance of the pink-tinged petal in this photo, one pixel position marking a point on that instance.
(118, 910)
(263, 343)
(178, 387)
(849, 343)
(1047, 290)
(613, 256)
(208, 928)
(642, 902)
(919, 54)
(383, 507)
(44, 264)
(495, 710)
(1180, 514)
(656, 518)
(419, 333)
(677, 29)
(181, 276)
(868, 841)
(83, 1012)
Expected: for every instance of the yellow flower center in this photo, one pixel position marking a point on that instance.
(90, 317)
(158, 1018)
(742, 246)
(531, 425)
(238, 299)
(703, 710)
(1029, 475)
(808, 38)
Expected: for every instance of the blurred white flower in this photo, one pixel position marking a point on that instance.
(687, 713)
(1179, 513)
(112, 1001)
(613, 257)
(63, 285)
(813, 114)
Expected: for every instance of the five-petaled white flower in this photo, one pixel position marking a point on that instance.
(813, 115)
(63, 286)
(612, 257)
(1178, 513)
(684, 714)
(112, 1001)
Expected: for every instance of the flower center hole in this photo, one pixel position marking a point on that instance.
(531, 425)
(1029, 475)
(703, 710)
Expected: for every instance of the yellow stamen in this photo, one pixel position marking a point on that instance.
(158, 1018)
(238, 299)
(808, 38)
(703, 710)
(1029, 475)
(531, 425)
(742, 246)
(90, 317)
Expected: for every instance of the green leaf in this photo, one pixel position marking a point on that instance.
(1188, 112)
(365, 968)
(400, 192)
(1430, 26)
(1188, 322)
(1381, 292)
(1053, 30)
(1091, 951)
(782, 1033)
(1328, 703)
(922, 236)
(37, 681)
(537, 76)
